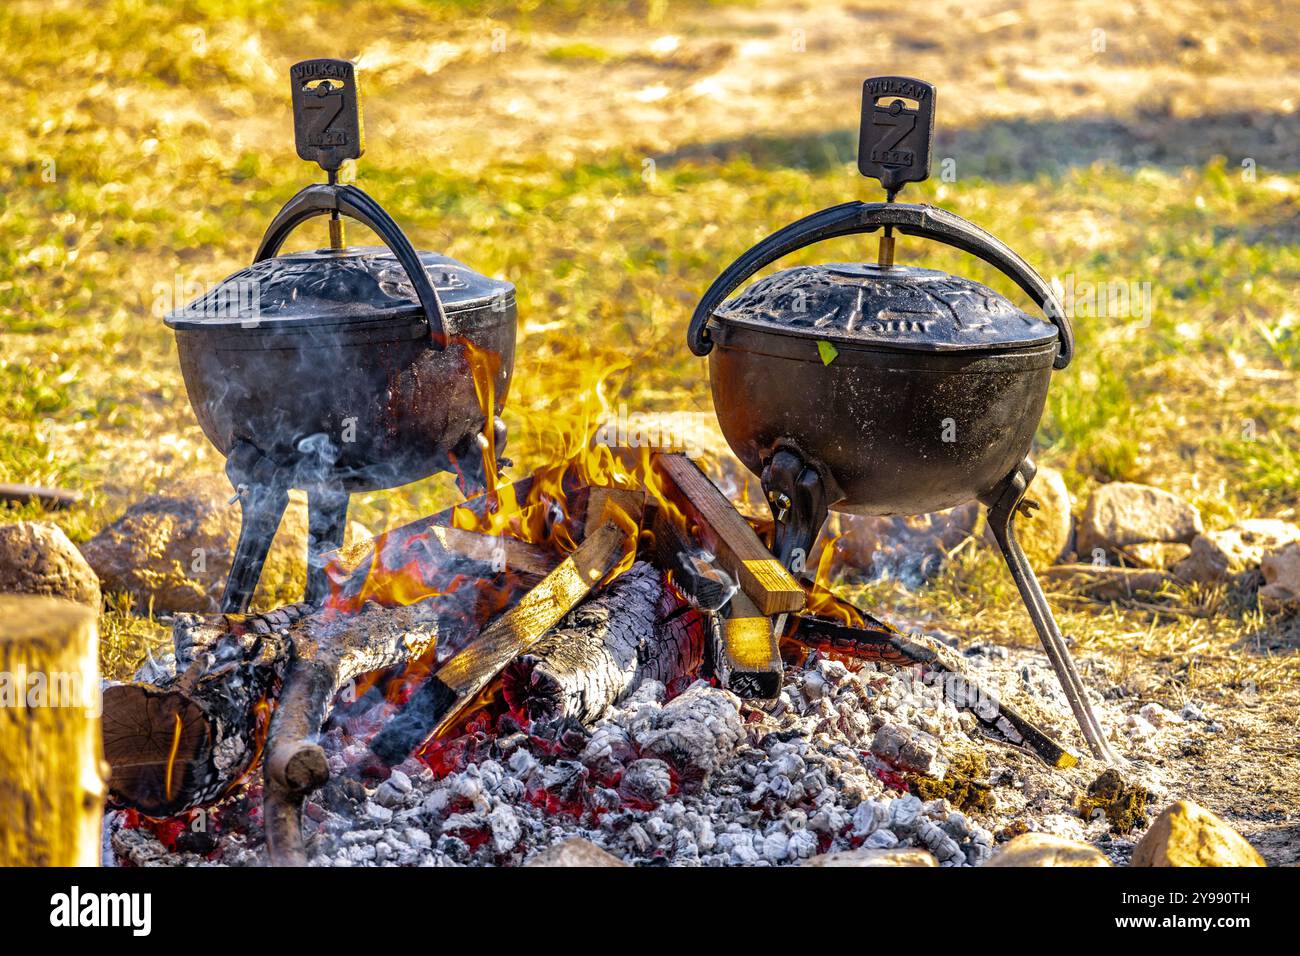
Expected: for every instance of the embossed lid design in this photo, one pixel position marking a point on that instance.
(325, 287)
(894, 307)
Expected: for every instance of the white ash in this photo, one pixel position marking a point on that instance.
(707, 780)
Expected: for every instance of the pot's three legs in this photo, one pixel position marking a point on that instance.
(1003, 503)
(327, 516)
(799, 501)
(263, 493)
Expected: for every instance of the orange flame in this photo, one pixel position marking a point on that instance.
(822, 601)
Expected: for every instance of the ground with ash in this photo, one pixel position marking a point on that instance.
(856, 755)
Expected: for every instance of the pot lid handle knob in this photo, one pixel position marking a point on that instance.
(326, 112)
(322, 199)
(855, 218)
(897, 130)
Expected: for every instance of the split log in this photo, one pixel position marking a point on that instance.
(722, 531)
(595, 657)
(880, 642)
(51, 772)
(744, 653)
(435, 704)
(183, 734)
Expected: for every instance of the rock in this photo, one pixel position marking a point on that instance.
(1157, 555)
(574, 851)
(1045, 536)
(1107, 582)
(871, 857)
(1217, 556)
(1122, 513)
(37, 558)
(1282, 578)
(175, 547)
(1186, 834)
(1044, 849)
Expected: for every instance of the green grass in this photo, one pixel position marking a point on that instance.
(608, 260)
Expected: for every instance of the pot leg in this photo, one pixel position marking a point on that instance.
(466, 459)
(797, 496)
(261, 508)
(327, 517)
(1002, 507)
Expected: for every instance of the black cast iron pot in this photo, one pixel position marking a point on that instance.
(885, 389)
(911, 390)
(343, 370)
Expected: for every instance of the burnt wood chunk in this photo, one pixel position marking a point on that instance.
(745, 652)
(722, 531)
(596, 655)
(182, 737)
(436, 704)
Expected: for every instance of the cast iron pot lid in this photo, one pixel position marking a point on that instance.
(895, 307)
(328, 288)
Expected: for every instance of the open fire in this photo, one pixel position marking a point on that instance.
(605, 648)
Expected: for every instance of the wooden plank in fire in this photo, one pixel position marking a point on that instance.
(435, 705)
(725, 533)
(743, 648)
(350, 565)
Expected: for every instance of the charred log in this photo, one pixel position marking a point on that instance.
(436, 703)
(187, 732)
(329, 651)
(595, 656)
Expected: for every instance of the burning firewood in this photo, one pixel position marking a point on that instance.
(329, 651)
(743, 651)
(183, 739)
(597, 656)
(435, 704)
(722, 530)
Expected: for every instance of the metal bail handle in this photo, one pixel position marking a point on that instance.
(854, 218)
(326, 199)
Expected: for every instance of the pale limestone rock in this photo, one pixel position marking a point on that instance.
(574, 851)
(1186, 834)
(1122, 513)
(1044, 849)
(872, 857)
(1217, 556)
(1282, 578)
(37, 558)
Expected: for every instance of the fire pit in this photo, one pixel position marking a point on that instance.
(556, 658)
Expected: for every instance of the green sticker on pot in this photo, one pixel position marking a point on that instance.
(826, 351)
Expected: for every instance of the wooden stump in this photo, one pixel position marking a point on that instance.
(51, 772)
